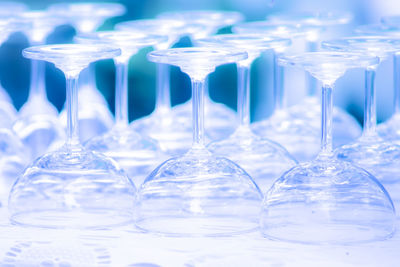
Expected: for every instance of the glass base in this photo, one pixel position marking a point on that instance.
(327, 201)
(174, 134)
(198, 194)
(74, 187)
(219, 122)
(264, 160)
(390, 130)
(137, 155)
(300, 138)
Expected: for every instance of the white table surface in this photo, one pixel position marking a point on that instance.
(20, 246)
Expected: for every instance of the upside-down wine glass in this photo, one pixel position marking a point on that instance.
(72, 187)
(390, 129)
(264, 160)
(137, 154)
(371, 152)
(346, 128)
(327, 200)
(284, 126)
(198, 193)
(220, 122)
(326, 21)
(173, 133)
(8, 113)
(95, 117)
(38, 125)
(8, 10)
(13, 156)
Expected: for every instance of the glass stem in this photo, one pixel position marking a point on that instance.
(279, 94)
(121, 93)
(163, 102)
(72, 109)
(37, 86)
(369, 104)
(396, 82)
(326, 122)
(198, 112)
(243, 104)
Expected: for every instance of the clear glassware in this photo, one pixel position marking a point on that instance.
(220, 118)
(370, 151)
(326, 200)
(38, 125)
(8, 10)
(13, 156)
(284, 126)
(264, 160)
(137, 154)
(95, 117)
(390, 129)
(173, 133)
(347, 128)
(198, 193)
(72, 187)
(8, 113)
(213, 20)
(13, 160)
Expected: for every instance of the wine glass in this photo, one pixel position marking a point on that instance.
(327, 200)
(264, 160)
(371, 152)
(38, 125)
(346, 129)
(7, 12)
(198, 193)
(212, 20)
(220, 118)
(95, 117)
(72, 187)
(390, 129)
(13, 156)
(137, 154)
(173, 133)
(8, 113)
(285, 127)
